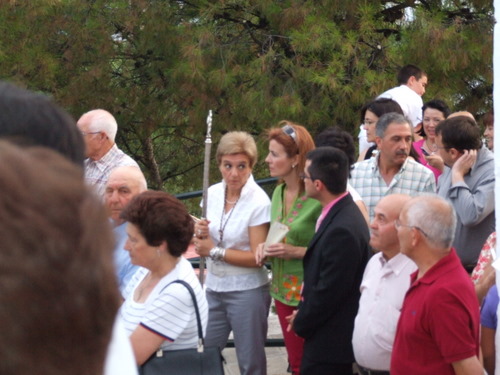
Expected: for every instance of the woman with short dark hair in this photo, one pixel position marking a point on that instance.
(433, 112)
(157, 314)
(370, 113)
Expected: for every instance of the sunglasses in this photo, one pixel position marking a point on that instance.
(290, 131)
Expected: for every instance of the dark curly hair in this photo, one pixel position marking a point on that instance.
(161, 217)
(336, 137)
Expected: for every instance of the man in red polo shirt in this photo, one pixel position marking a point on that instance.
(438, 330)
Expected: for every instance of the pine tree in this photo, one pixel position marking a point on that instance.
(159, 66)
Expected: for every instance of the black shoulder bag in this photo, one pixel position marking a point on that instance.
(200, 361)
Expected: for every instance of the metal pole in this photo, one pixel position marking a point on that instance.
(206, 175)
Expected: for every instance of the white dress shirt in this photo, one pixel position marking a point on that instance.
(410, 102)
(383, 290)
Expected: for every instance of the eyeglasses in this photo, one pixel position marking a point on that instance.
(86, 133)
(290, 131)
(303, 177)
(398, 224)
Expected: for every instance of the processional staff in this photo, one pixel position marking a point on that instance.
(206, 174)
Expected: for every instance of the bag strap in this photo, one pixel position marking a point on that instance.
(198, 318)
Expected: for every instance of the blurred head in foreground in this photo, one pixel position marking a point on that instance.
(32, 119)
(58, 293)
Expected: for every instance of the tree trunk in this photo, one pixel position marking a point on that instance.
(150, 161)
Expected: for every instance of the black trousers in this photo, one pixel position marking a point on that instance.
(311, 368)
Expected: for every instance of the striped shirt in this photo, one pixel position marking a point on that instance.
(168, 312)
(97, 171)
(412, 179)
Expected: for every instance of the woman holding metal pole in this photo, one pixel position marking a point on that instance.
(238, 213)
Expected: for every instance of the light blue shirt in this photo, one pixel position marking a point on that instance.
(124, 269)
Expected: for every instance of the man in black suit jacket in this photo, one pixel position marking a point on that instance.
(333, 268)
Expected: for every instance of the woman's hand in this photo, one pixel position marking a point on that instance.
(260, 256)
(201, 229)
(485, 282)
(285, 251)
(202, 241)
(290, 319)
(435, 161)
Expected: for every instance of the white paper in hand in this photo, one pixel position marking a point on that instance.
(276, 233)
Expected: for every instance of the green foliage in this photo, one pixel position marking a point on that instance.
(159, 66)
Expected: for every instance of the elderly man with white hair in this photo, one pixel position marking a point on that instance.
(438, 329)
(124, 183)
(98, 128)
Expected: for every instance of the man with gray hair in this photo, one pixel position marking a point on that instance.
(438, 329)
(124, 183)
(391, 171)
(98, 128)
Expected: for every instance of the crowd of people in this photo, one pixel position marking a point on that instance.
(383, 265)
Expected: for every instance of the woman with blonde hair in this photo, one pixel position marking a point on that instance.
(237, 222)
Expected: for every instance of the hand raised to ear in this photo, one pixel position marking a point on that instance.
(463, 165)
